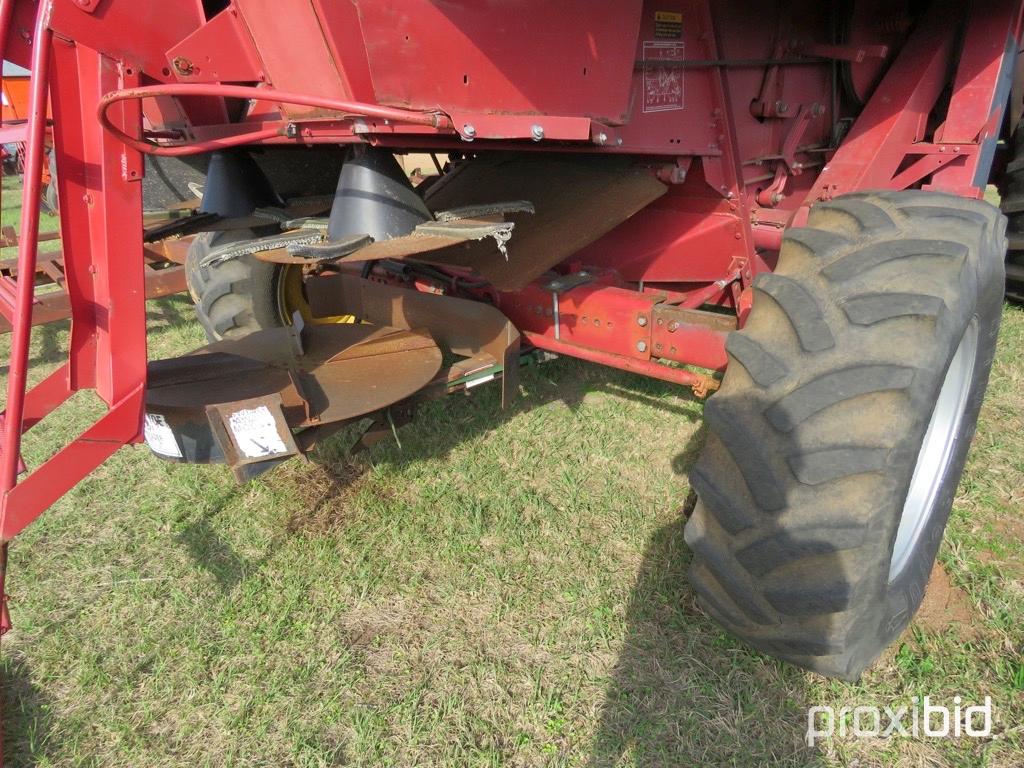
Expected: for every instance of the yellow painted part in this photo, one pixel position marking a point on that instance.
(290, 299)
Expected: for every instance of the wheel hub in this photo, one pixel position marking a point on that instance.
(936, 451)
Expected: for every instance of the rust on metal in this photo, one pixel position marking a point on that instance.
(9, 237)
(427, 240)
(338, 379)
(331, 374)
(416, 246)
(576, 201)
(563, 205)
(466, 328)
(163, 271)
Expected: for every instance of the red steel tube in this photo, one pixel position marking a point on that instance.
(6, 14)
(643, 367)
(352, 108)
(28, 241)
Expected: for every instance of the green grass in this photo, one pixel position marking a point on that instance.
(11, 203)
(507, 588)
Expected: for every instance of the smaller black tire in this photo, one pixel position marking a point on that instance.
(235, 297)
(51, 201)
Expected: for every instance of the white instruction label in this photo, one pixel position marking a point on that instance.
(159, 437)
(255, 432)
(663, 86)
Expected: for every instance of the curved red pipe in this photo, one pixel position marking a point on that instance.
(347, 108)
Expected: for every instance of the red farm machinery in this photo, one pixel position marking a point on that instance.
(790, 193)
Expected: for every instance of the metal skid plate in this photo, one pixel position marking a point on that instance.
(469, 329)
(241, 400)
(576, 199)
(254, 401)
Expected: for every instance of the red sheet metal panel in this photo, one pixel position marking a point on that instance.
(127, 30)
(295, 54)
(525, 56)
(676, 238)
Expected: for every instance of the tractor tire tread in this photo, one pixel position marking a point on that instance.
(838, 365)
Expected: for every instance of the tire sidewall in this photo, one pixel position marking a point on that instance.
(903, 596)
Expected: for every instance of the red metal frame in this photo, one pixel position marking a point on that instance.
(738, 122)
(101, 212)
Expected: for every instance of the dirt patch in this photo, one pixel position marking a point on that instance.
(1009, 563)
(1011, 527)
(321, 493)
(946, 606)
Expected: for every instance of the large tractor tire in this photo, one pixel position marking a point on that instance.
(837, 440)
(235, 297)
(1012, 203)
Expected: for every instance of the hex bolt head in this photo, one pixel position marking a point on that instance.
(183, 66)
(468, 132)
(673, 327)
(537, 131)
(641, 346)
(641, 320)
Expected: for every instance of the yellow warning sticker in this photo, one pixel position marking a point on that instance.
(668, 24)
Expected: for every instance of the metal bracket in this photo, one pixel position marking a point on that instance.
(252, 431)
(564, 284)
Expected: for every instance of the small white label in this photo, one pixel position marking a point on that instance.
(255, 432)
(160, 437)
(481, 380)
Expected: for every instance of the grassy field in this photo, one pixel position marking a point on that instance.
(504, 588)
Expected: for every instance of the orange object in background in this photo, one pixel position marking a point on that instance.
(14, 98)
(15, 93)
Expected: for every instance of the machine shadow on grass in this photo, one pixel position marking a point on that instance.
(24, 715)
(685, 692)
(682, 691)
(173, 311)
(50, 348)
(341, 472)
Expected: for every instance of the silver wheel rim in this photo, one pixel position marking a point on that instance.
(936, 451)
